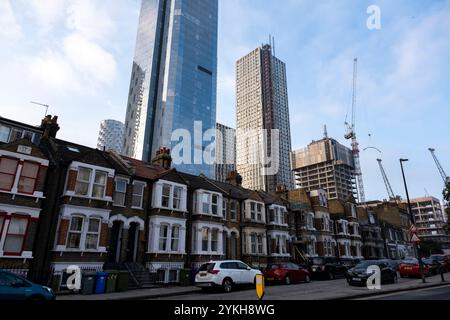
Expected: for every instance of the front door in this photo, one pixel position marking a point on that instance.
(115, 242)
(133, 237)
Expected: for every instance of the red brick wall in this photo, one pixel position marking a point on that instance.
(104, 235)
(110, 187)
(63, 229)
(72, 180)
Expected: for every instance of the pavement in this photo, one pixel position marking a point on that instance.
(316, 290)
(434, 294)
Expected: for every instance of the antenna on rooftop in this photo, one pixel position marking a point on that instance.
(42, 105)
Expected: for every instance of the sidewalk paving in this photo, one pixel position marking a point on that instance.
(132, 294)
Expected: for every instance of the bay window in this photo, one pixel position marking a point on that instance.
(259, 212)
(138, 195)
(253, 243)
(93, 234)
(83, 181)
(205, 239)
(175, 238)
(120, 192)
(8, 168)
(28, 177)
(177, 192)
(214, 240)
(163, 237)
(75, 232)
(252, 211)
(15, 236)
(215, 204)
(99, 187)
(272, 215)
(205, 202)
(165, 198)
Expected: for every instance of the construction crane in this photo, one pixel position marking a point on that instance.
(351, 135)
(386, 180)
(440, 168)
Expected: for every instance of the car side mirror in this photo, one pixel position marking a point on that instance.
(248, 268)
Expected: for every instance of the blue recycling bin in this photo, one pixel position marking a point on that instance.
(100, 282)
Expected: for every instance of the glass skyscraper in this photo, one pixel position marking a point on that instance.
(173, 83)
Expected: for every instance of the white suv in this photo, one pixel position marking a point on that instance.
(225, 274)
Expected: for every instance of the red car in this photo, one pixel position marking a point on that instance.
(286, 272)
(410, 268)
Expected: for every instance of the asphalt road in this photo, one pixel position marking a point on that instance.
(440, 293)
(316, 290)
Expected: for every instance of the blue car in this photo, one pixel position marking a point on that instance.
(14, 287)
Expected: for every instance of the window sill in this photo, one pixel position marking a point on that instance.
(37, 195)
(23, 255)
(118, 206)
(137, 208)
(176, 253)
(73, 195)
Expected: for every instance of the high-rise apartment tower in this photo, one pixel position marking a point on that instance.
(172, 95)
(262, 104)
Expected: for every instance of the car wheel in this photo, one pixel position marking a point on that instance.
(227, 285)
(330, 276)
(307, 279)
(287, 280)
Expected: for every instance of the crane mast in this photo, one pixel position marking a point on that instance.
(351, 135)
(386, 180)
(439, 166)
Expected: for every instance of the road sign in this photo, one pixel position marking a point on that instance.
(413, 229)
(415, 239)
(260, 286)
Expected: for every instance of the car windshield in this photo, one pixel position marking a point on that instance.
(365, 264)
(410, 261)
(207, 267)
(438, 258)
(317, 260)
(273, 266)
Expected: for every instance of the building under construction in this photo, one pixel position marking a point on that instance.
(326, 164)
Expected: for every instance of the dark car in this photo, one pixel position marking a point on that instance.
(434, 266)
(286, 273)
(348, 263)
(14, 287)
(444, 260)
(393, 263)
(358, 275)
(326, 267)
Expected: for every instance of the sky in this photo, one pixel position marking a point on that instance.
(76, 56)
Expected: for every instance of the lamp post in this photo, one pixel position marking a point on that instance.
(413, 220)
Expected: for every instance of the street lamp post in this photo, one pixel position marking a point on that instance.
(413, 220)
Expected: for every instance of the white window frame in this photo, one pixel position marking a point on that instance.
(126, 181)
(95, 184)
(98, 233)
(133, 195)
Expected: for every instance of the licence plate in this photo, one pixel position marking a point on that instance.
(203, 274)
(270, 279)
(357, 279)
(408, 268)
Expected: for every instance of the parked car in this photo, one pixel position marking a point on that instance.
(411, 268)
(328, 267)
(358, 275)
(444, 260)
(433, 265)
(14, 287)
(225, 274)
(348, 263)
(393, 263)
(286, 273)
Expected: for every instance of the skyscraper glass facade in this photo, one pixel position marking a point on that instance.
(172, 96)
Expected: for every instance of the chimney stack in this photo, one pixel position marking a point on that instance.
(163, 158)
(234, 178)
(50, 126)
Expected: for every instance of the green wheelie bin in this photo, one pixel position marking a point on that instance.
(111, 281)
(122, 281)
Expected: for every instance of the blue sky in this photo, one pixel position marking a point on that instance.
(77, 56)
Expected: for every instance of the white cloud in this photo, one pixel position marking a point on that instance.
(10, 29)
(52, 70)
(91, 60)
(91, 19)
(47, 12)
